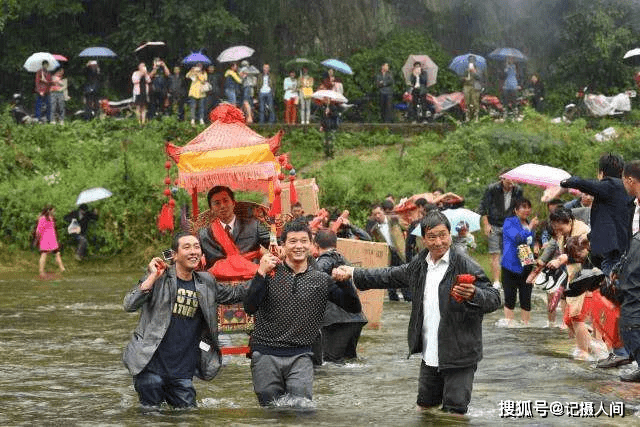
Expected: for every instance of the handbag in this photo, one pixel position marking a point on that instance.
(205, 88)
(525, 255)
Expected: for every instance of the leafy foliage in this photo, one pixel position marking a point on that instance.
(52, 164)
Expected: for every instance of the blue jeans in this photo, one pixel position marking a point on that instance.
(153, 390)
(40, 101)
(267, 98)
(631, 338)
(231, 96)
(200, 105)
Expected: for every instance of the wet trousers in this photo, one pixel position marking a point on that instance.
(153, 389)
(274, 376)
(451, 387)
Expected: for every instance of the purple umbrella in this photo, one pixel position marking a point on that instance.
(196, 57)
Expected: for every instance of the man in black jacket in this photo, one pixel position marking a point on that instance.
(611, 215)
(611, 211)
(340, 329)
(628, 285)
(445, 324)
(497, 204)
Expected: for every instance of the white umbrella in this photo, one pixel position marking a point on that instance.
(331, 95)
(632, 57)
(34, 62)
(92, 195)
(235, 53)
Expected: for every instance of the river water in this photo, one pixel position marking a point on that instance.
(61, 341)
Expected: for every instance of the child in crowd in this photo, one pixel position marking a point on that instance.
(464, 239)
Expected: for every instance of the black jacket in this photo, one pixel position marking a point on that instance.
(629, 284)
(333, 314)
(611, 213)
(460, 330)
(492, 204)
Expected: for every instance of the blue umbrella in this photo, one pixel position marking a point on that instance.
(196, 57)
(97, 52)
(337, 65)
(460, 64)
(502, 53)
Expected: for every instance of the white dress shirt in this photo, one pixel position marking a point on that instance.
(386, 232)
(431, 308)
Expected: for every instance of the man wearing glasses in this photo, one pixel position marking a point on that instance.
(451, 293)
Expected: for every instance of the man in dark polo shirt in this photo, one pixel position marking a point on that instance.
(289, 299)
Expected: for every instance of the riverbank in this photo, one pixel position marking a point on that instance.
(52, 164)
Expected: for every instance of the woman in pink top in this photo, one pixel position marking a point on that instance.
(47, 240)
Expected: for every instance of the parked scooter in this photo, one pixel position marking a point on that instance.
(592, 105)
(18, 112)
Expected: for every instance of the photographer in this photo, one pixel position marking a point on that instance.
(159, 87)
(176, 337)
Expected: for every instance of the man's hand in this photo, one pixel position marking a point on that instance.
(342, 273)
(267, 263)
(463, 291)
(155, 268)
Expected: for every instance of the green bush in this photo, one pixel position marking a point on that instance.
(51, 164)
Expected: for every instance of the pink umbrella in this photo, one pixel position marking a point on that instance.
(427, 65)
(541, 175)
(59, 57)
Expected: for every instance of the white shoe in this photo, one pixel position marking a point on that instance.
(201, 121)
(505, 323)
(193, 122)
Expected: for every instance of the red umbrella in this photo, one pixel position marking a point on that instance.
(59, 57)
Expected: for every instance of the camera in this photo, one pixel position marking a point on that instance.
(167, 256)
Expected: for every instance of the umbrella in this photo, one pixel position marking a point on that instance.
(196, 57)
(540, 175)
(92, 195)
(427, 65)
(97, 52)
(59, 57)
(250, 70)
(502, 53)
(462, 214)
(235, 53)
(337, 65)
(34, 62)
(151, 46)
(299, 63)
(632, 57)
(460, 64)
(332, 95)
(150, 50)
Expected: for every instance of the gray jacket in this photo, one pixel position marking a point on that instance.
(460, 329)
(155, 316)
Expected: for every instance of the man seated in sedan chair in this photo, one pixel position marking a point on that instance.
(234, 236)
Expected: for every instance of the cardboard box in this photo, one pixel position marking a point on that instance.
(369, 255)
(307, 190)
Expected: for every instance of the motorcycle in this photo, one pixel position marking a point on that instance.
(592, 105)
(18, 112)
